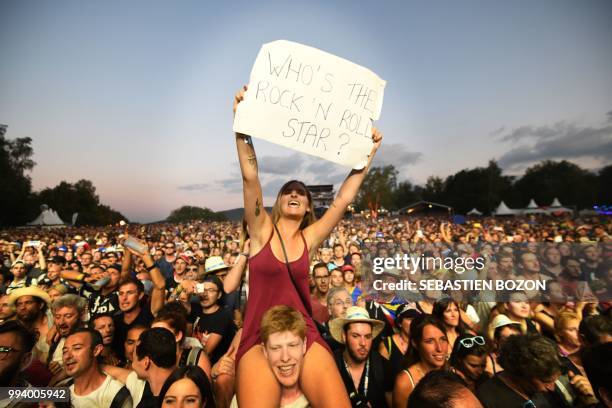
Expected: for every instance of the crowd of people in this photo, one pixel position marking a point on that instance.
(281, 309)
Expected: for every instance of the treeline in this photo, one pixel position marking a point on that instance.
(484, 187)
(19, 204)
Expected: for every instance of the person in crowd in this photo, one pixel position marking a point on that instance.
(19, 277)
(348, 274)
(500, 328)
(442, 389)
(187, 387)
(394, 348)
(91, 387)
(338, 302)
(362, 368)
(290, 234)
(16, 344)
(566, 333)
(336, 278)
(104, 324)
(338, 251)
(53, 275)
(153, 361)
(532, 372)
(57, 291)
(105, 300)
(518, 309)
(428, 351)
(7, 311)
(68, 313)
(131, 340)
(30, 305)
(592, 330)
(320, 275)
(131, 312)
(215, 327)
(469, 360)
(597, 365)
(447, 311)
(188, 349)
(283, 334)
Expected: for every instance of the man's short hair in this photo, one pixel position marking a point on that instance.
(530, 356)
(438, 389)
(594, 327)
(280, 319)
(320, 265)
(26, 337)
(596, 361)
(96, 337)
(70, 300)
(159, 345)
(139, 285)
(334, 291)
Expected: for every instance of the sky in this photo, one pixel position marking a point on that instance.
(136, 95)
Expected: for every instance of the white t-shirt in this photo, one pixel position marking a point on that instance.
(102, 397)
(136, 387)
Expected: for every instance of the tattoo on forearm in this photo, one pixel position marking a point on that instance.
(252, 160)
(257, 209)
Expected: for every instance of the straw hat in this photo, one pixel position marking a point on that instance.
(214, 264)
(28, 291)
(354, 314)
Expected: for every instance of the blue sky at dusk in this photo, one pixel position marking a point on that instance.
(136, 95)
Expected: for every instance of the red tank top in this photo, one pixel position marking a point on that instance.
(270, 285)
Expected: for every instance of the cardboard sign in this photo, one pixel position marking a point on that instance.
(311, 101)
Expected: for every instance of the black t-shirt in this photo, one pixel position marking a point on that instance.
(99, 303)
(121, 328)
(220, 322)
(494, 393)
(377, 381)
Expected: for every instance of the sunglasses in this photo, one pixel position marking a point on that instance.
(469, 342)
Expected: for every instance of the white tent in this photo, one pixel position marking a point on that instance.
(47, 217)
(474, 211)
(532, 208)
(502, 209)
(556, 207)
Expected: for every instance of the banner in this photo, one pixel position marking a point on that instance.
(311, 101)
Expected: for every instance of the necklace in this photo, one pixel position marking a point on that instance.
(367, 376)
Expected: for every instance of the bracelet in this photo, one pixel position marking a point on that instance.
(150, 268)
(246, 255)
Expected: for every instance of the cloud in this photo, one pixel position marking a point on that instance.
(609, 116)
(540, 132)
(498, 132)
(562, 140)
(194, 187)
(280, 164)
(396, 154)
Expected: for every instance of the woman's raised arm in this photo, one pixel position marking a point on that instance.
(317, 232)
(258, 220)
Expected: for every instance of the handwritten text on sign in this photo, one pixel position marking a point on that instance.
(311, 101)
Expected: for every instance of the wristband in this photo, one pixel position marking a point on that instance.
(246, 255)
(150, 268)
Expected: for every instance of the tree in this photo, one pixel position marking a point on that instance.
(15, 184)
(81, 198)
(188, 213)
(481, 187)
(405, 194)
(604, 178)
(434, 189)
(570, 183)
(378, 188)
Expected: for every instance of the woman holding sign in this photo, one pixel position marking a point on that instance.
(281, 247)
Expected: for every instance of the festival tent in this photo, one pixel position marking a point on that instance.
(502, 209)
(474, 211)
(556, 207)
(532, 208)
(47, 217)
